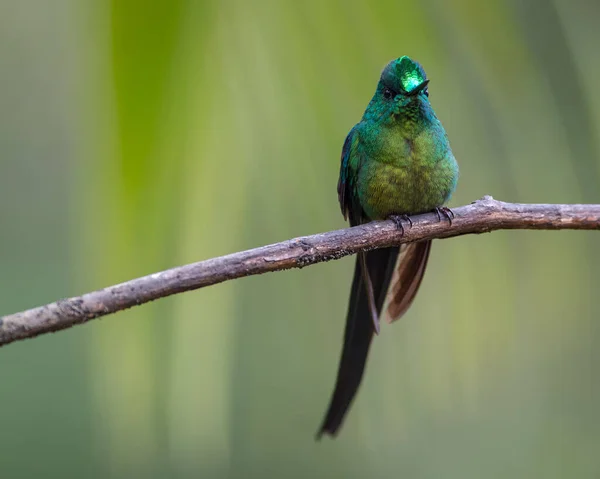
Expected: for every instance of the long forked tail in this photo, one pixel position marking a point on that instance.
(358, 333)
(405, 282)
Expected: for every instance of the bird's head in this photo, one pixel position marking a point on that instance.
(401, 92)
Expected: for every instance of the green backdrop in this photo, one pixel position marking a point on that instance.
(135, 136)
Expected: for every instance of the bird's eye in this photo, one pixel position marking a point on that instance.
(426, 92)
(387, 93)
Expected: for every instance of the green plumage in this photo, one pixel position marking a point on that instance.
(397, 161)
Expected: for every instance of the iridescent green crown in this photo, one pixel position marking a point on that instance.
(403, 74)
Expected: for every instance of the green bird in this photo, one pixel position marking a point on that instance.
(396, 162)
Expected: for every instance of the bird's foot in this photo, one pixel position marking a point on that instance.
(445, 212)
(398, 221)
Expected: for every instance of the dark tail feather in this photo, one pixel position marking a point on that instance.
(405, 284)
(359, 331)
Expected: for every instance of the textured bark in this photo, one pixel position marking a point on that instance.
(482, 216)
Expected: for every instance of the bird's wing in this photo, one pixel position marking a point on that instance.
(346, 188)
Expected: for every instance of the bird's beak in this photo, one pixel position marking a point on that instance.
(415, 91)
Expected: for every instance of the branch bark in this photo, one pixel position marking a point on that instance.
(482, 216)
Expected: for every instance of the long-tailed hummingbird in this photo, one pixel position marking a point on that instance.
(395, 162)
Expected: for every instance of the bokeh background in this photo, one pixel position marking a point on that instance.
(135, 136)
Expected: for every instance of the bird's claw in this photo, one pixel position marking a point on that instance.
(446, 213)
(398, 221)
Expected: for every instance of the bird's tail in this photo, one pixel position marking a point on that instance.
(399, 286)
(407, 278)
(359, 331)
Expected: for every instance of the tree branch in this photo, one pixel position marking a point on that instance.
(482, 216)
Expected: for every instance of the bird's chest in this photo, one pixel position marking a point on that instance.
(405, 174)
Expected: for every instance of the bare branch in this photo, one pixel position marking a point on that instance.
(481, 216)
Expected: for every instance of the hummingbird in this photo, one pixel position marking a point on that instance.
(396, 162)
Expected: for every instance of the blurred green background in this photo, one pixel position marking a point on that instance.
(135, 136)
